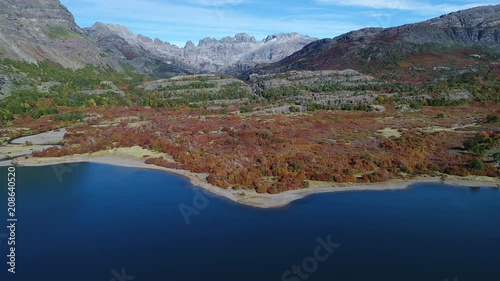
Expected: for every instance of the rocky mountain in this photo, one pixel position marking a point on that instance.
(35, 30)
(120, 43)
(242, 52)
(461, 38)
(228, 55)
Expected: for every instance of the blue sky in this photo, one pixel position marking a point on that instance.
(178, 21)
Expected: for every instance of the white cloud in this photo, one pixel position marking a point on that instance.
(374, 4)
(181, 21)
(216, 2)
(407, 5)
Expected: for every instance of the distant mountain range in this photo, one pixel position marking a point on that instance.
(227, 55)
(458, 38)
(36, 30)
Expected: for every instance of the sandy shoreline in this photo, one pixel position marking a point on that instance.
(135, 156)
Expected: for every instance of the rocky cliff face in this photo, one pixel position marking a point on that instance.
(227, 55)
(35, 30)
(373, 49)
(242, 52)
(120, 43)
(477, 26)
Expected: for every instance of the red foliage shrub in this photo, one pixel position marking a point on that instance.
(248, 151)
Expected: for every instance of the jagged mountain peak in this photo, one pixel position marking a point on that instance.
(279, 36)
(145, 39)
(117, 29)
(35, 30)
(207, 41)
(228, 54)
(189, 44)
(236, 39)
(244, 38)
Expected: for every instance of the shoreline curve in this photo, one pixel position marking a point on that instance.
(131, 157)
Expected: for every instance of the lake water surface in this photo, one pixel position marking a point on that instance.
(101, 222)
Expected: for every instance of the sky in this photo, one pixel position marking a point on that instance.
(178, 21)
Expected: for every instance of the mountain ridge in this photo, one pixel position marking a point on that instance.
(41, 30)
(226, 55)
(375, 49)
(45, 30)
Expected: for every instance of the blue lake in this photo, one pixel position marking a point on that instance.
(102, 222)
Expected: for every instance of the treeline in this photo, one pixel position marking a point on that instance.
(86, 78)
(277, 93)
(31, 103)
(484, 85)
(274, 154)
(174, 98)
(27, 100)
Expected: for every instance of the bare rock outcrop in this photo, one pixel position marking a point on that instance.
(229, 55)
(371, 49)
(36, 30)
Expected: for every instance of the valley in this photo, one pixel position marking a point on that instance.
(250, 140)
(274, 132)
(286, 113)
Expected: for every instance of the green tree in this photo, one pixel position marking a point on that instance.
(492, 118)
(91, 103)
(496, 157)
(477, 164)
(5, 116)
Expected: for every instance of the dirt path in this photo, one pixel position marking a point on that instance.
(48, 138)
